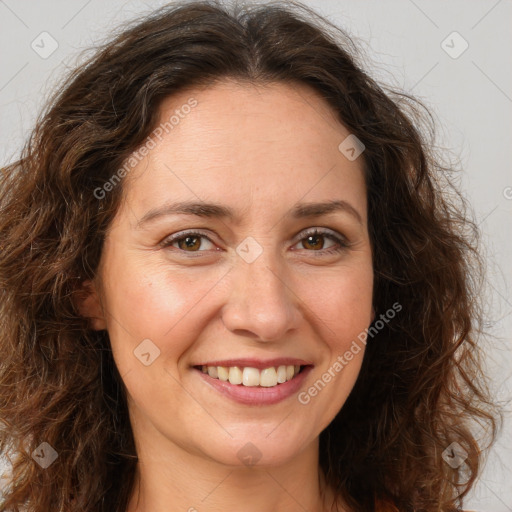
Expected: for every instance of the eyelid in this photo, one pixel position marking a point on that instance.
(168, 240)
(340, 239)
(320, 231)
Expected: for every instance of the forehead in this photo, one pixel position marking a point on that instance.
(235, 114)
(278, 140)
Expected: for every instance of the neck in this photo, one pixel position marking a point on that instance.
(172, 478)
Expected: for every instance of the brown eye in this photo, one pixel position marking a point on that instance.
(314, 241)
(187, 242)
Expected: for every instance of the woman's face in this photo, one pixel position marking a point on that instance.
(255, 288)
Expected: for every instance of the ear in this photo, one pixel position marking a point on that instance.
(88, 303)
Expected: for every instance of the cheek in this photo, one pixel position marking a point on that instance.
(343, 311)
(153, 303)
(342, 302)
(343, 308)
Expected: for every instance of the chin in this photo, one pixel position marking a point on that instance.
(254, 451)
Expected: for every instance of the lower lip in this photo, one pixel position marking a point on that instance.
(256, 395)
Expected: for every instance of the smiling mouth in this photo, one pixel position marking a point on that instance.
(252, 377)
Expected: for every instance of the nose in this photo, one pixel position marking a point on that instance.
(262, 304)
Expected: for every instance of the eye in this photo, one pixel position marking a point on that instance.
(186, 241)
(313, 241)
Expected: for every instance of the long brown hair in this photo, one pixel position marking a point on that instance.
(421, 387)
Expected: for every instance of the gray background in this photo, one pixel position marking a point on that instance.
(470, 94)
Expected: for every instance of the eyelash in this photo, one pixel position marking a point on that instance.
(341, 241)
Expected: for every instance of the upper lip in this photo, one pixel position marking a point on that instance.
(257, 363)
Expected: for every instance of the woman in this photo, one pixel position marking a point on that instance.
(233, 279)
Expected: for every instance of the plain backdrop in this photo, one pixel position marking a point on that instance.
(454, 56)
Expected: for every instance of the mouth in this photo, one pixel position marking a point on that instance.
(251, 376)
(255, 383)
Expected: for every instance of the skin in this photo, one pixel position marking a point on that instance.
(259, 150)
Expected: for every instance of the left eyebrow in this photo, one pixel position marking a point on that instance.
(213, 210)
(304, 210)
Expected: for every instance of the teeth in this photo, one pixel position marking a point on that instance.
(223, 373)
(235, 375)
(268, 377)
(281, 374)
(252, 377)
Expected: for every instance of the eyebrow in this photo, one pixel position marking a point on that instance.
(212, 210)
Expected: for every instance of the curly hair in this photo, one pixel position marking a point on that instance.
(421, 386)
